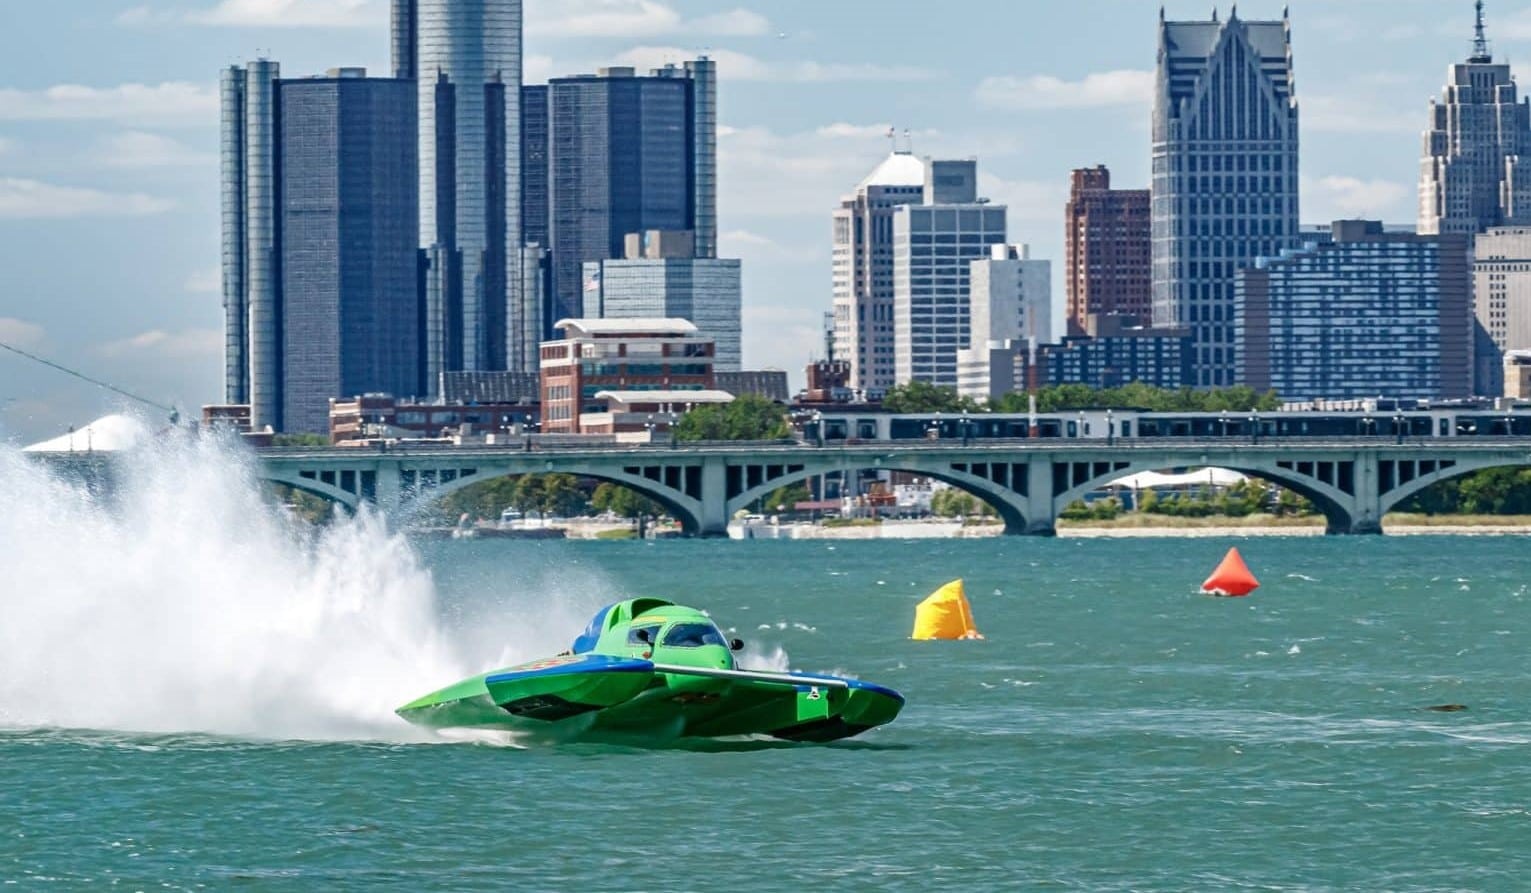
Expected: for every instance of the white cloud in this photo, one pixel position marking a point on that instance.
(1106, 88)
(633, 18)
(1336, 197)
(782, 337)
(736, 66)
(175, 101)
(536, 69)
(1026, 200)
(158, 342)
(764, 173)
(869, 132)
(752, 246)
(31, 200)
(137, 149)
(19, 332)
(1339, 114)
(205, 282)
(288, 13)
(734, 23)
(1515, 26)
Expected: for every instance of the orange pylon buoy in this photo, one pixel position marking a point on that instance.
(1232, 577)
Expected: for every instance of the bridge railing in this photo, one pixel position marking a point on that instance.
(944, 445)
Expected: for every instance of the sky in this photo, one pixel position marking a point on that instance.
(109, 217)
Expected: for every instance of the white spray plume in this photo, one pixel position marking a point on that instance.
(187, 601)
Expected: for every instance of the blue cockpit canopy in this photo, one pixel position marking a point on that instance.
(592, 634)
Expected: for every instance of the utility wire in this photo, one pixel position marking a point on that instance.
(83, 377)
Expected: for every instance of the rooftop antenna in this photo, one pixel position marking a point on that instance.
(893, 139)
(908, 141)
(1481, 54)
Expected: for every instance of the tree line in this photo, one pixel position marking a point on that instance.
(918, 396)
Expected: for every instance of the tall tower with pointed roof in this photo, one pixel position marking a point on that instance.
(1224, 173)
(1472, 174)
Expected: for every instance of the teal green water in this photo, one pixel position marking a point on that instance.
(1115, 731)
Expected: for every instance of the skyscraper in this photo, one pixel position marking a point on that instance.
(465, 56)
(934, 245)
(1224, 174)
(1108, 250)
(626, 154)
(862, 277)
(1501, 303)
(319, 227)
(1472, 175)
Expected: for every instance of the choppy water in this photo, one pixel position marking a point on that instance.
(1115, 731)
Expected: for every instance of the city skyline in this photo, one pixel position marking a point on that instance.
(123, 168)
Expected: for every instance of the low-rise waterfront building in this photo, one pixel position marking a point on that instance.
(768, 383)
(370, 417)
(619, 355)
(648, 412)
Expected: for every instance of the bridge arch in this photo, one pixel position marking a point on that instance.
(1397, 480)
(315, 487)
(686, 510)
(1330, 497)
(1010, 505)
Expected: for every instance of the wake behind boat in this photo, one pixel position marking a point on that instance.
(650, 666)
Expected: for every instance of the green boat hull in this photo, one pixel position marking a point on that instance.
(649, 668)
(594, 694)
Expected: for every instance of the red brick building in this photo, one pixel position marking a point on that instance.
(620, 356)
(1108, 250)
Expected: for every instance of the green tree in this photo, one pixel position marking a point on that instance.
(784, 498)
(548, 494)
(300, 440)
(1076, 511)
(1137, 395)
(919, 396)
(747, 417)
(485, 499)
(624, 502)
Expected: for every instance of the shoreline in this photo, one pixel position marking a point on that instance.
(1403, 525)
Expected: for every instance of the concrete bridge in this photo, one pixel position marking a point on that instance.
(1353, 481)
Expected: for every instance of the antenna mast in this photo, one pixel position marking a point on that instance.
(1481, 54)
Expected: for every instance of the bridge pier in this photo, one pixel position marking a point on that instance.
(389, 495)
(713, 521)
(1366, 509)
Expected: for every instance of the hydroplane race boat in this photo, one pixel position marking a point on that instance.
(647, 666)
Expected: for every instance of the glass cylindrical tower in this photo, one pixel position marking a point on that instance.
(468, 65)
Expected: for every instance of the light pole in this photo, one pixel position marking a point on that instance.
(1110, 428)
(962, 427)
(1254, 427)
(1398, 428)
